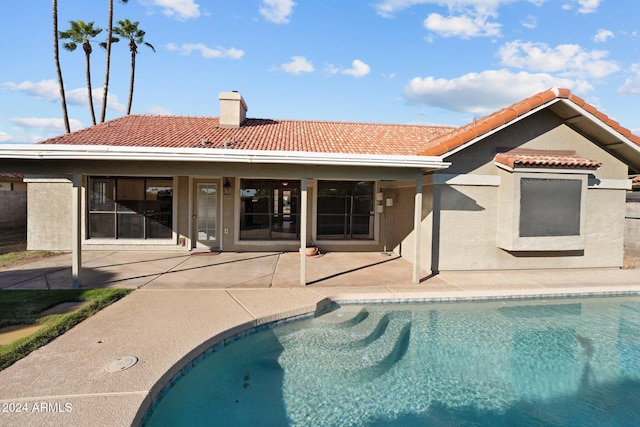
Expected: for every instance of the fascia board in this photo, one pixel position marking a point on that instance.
(106, 153)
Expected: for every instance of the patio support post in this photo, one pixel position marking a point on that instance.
(303, 232)
(76, 233)
(417, 230)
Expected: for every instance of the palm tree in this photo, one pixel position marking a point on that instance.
(107, 46)
(129, 30)
(56, 57)
(81, 32)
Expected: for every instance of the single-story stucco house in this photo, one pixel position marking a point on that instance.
(540, 184)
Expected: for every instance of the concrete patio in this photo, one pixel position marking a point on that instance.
(186, 303)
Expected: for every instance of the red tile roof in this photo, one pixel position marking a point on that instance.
(5, 176)
(313, 136)
(465, 134)
(546, 161)
(256, 134)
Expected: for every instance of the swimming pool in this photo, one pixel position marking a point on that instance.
(569, 362)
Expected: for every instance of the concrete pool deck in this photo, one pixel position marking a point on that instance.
(184, 304)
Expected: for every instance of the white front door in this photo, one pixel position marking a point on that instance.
(205, 215)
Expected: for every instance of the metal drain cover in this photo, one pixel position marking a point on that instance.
(121, 364)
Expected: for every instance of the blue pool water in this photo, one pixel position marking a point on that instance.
(513, 363)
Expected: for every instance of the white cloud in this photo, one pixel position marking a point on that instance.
(159, 110)
(178, 9)
(530, 22)
(602, 36)
(464, 26)
(277, 11)
(298, 64)
(46, 89)
(206, 52)
(47, 124)
(6, 138)
(566, 59)
(588, 6)
(483, 93)
(358, 69)
(79, 97)
(584, 6)
(388, 8)
(632, 85)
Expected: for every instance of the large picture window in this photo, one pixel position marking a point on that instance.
(269, 209)
(345, 210)
(130, 208)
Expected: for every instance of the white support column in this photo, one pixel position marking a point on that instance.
(76, 233)
(303, 232)
(417, 230)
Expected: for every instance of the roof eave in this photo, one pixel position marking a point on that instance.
(127, 153)
(499, 128)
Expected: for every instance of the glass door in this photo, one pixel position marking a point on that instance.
(206, 215)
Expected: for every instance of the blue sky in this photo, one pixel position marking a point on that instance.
(384, 61)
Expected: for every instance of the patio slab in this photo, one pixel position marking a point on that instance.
(185, 304)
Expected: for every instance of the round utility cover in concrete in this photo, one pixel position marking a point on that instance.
(121, 364)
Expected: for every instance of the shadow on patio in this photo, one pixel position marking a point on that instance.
(215, 270)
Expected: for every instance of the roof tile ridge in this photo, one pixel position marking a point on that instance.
(350, 122)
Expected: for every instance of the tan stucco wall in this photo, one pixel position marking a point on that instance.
(468, 217)
(632, 223)
(13, 210)
(49, 215)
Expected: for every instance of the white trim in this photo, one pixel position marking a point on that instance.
(580, 171)
(609, 184)
(107, 152)
(48, 180)
(624, 140)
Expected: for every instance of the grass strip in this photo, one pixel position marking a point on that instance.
(23, 307)
(12, 259)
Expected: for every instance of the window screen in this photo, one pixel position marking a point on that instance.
(550, 207)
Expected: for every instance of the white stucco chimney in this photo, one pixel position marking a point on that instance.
(233, 110)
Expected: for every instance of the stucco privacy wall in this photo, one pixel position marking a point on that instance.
(49, 214)
(13, 210)
(460, 207)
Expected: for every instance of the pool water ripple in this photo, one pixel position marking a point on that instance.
(500, 363)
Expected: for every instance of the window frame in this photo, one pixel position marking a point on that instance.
(145, 213)
(509, 206)
(273, 214)
(372, 215)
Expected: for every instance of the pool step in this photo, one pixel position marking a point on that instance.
(364, 346)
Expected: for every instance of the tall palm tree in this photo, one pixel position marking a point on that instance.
(56, 57)
(129, 30)
(107, 46)
(81, 32)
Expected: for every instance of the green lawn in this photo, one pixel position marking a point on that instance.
(25, 308)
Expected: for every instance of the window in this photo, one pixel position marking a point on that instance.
(550, 207)
(269, 209)
(345, 210)
(540, 211)
(130, 208)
